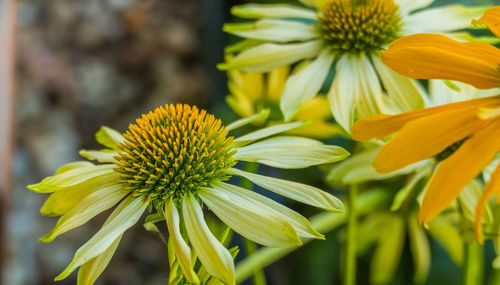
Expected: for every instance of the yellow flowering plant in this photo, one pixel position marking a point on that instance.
(174, 160)
(347, 35)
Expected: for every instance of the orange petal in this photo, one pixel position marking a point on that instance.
(383, 125)
(431, 56)
(426, 137)
(459, 169)
(491, 189)
(491, 19)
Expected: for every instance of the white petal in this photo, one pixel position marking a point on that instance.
(442, 19)
(272, 11)
(370, 101)
(60, 202)
(109, 137)
(442, 93)
(268, 56)
(246, 201)
(73, 165)
(305, 84)
(72, 177)
(212, 254)
(90, 271)
(358, 169)
(267, 132)
(405, 92)
(341, 95)
(312, 3)
(99, 155)
(407, 6)
(246, 217)
(123, 217)
(290, 152)
(281, 31)
(92, 205)
(259, 117)
(181, 248)
(293, 190)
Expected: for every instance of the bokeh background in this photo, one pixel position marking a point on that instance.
(83, 64)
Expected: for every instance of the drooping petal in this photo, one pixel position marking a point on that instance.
(109, 137)
(426, 137)
(73, 165)
(252, 11)
(460, 168)
(404, 91)
(260, 208)
(123, 217)
(72, 177)
(256, 225)
(99, 155)
(305, 84)
(281, 31)
(358, 169)
(381, 126)
(491, 19)
(446, 233)
(60, 202)
(276, 152)
(181, 248)
(441, 19)
(431, 56)
(407, 6)
(259, 117)
(213, 255)
(420, 249)
(343, 91)
(267, 132)
(92, 205)
(492, 188)
(293, 190)
(266, 57)
(90, 271)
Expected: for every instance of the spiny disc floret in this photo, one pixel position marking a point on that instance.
(353, 26)
(173, 150)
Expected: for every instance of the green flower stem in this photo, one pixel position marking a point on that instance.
(494, 277)
(473, 263)
(323, 222)
(250, 247)
(350, 253)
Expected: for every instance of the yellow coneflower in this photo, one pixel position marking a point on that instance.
(253, 92)
(465, 132)
(174, 159)
(347, 34)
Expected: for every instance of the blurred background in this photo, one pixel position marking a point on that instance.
(83, 64)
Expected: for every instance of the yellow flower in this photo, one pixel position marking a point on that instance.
(253, 92)
(463, 134)
(175, 159)
(347, 35)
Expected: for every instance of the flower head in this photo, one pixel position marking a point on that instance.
(462, 135)
(347, 35)
(174, 159)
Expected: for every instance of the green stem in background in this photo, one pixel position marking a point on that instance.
(473, 263)
(250, 247)
(323, 222)
(494, 277)
(350, 253)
